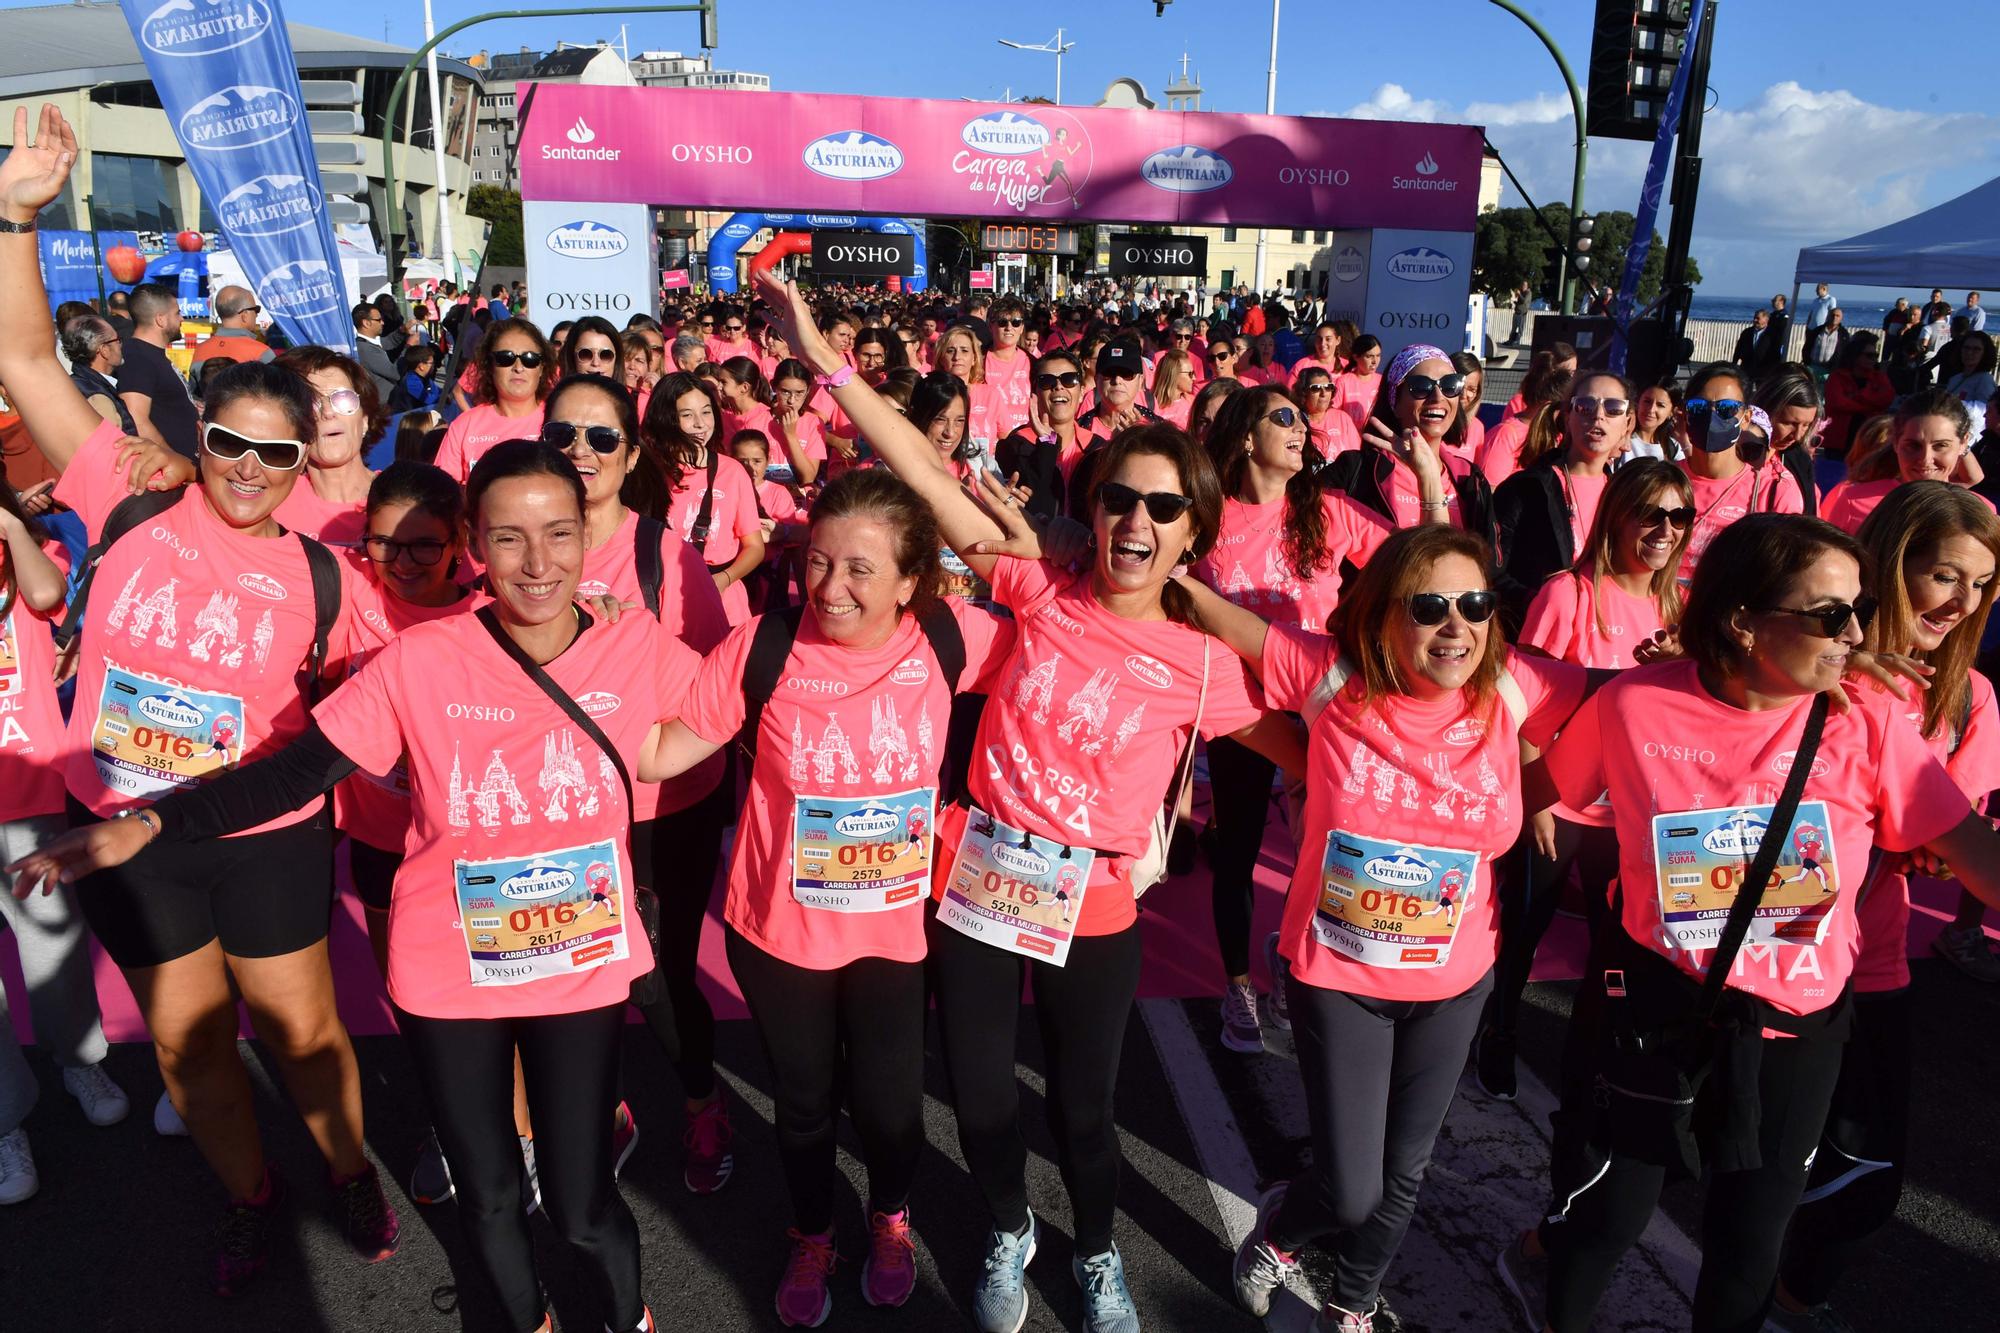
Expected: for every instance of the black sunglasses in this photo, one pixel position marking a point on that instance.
(1681, 517)
(1287, 417)
(1832, 620)
(1047, 380)
(506, 357)
(562, 434)
(1161, 506)
(386, 550)
(1011, 322)
(1474, 608)
(1423, 386)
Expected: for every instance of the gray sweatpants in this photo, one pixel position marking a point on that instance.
(55, 962)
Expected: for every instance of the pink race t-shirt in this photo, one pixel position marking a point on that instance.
(810, 433)
(1660, 744)
(1475, 439)
(32, 741)
(845, 725)
(1562, 621)
(1249, 567)
(477, 429)
(504, 787)
(1581, 495)
(193, 644)
(731, 517)
(1079, 740)
(1009, 379)
(1500, 451)
(331, 522)
(1434, 785)
(757, 418)
(690, 610)
(1356, 395)
(1406, 496)
(721, 349)
(1884, 961)
(1335, 433)
(1176, 412)
(369, 809)
(1720, 501)
(985, 410)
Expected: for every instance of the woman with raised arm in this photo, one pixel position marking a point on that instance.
(1074, 757)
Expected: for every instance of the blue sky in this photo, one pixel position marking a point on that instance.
(1827, 118)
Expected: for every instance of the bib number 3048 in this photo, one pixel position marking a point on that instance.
(1391, 904)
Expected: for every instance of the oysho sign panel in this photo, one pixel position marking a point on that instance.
(229, 83)
(1417, 285)
(589, 259)
(1140, 256)
(863, 254)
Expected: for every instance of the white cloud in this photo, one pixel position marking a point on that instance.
(1793, 166)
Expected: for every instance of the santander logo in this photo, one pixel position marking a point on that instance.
(1427, 167)
(581, 133)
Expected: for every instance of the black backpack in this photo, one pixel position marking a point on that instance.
(646, 560)
(135, 510)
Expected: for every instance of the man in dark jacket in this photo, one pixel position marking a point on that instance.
(1745, 354)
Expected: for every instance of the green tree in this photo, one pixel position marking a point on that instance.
(502, 208)
(1510, 247)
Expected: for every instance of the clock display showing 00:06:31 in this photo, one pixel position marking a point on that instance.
(1028, 239)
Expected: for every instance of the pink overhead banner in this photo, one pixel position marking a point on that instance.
(822, 153)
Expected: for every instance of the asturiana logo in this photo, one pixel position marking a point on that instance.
(1348, 264)
(737, 231)
(170, 710)
(584, 239)
(262, 584)
(1020, 860)
(583, 138)
(302, 289)
(1741, 835)
(204, 27)
(853, 155)
(870, 821)
(538, 879)
(1420, 263)
(1427, 177)
(242, 115)
(270, 205)
(1403, 870)
(1005, 134)
(1187, 169)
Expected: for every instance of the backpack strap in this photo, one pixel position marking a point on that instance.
(770, 647)
(704, 520)
(126, 515)
(646, 558)
(947, 641)
(326, 586)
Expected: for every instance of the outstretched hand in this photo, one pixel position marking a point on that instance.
(34, 173)
(794, 319)
(80, 852)
(1003, 502)
(1892, 672)
(148, 465)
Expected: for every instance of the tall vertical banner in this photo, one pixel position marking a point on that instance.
(226, 75)
(590, 259)
(1417, 287)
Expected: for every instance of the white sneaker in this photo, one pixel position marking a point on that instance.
(1240, 1032)
(167, 1121)
(103, 1101)
(18, 1181)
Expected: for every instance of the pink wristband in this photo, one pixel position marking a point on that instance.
(836, 379)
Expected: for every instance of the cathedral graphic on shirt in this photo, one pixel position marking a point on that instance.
(496, 785)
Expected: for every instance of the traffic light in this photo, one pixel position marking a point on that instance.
(709, 41)
(1634, 49)
(339, 155)
(1579, 243)
(1552, 271)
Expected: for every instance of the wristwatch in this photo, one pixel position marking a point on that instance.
(16, 228)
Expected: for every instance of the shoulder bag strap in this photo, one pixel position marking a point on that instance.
(699, 534)
(559, 696)
(1184, 771)
(648, 563)
(1744, 909)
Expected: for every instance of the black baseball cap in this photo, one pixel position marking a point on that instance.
(1122, 357)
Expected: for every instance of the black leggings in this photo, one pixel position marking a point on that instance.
(1527, 910)
(1081, 1009)
(1239, 785)
(1857, 1178)
(675, 856)
(1603, 1201)
(858, 1029)
(1379, 1077)
(569, 1063)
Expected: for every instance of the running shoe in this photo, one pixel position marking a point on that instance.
(645, 1324)
(1107, 1302)
(1967, 949)
(1334, 1319)
(103, 1101)
(1261, 1267)
(890, 1273)
(1000, 1301)
(1819, 1319)
(1240, 1031)
(430, 1178)
(709, 1134)
(18, 1178)
(531, 1177)
(1281, 981)
(1528, 1278)
(243, 1241)
(370, 1223)
(167, 1121)
(624, 1137)
(1493, 1064)
(1384, 1319)
(803, 1298)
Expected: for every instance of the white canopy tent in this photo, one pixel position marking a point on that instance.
(1955, 246)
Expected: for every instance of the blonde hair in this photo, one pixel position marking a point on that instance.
(1166, 374)
(978, 375)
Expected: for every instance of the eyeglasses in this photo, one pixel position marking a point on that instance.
(1607, 407)
(1287, 417)
(1161, 506)
(387, 550)
(1423, 386)
(1474, 608)
(1011, 322)
(1832, 620)
(562, 434)
(227, 446)
(1069, 379)
(1726, 408)
(608, 355)
(1682, 517)
(1183, 337)
(506, 357)
(339, 403)
(1317, 386)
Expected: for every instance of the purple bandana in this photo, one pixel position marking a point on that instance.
(1408, 359)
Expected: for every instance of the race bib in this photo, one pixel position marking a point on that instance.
(1392, 904)
(10, 658)
(553, 914)
(1701, 857)
(960, 581)
(152, 738)
(863, 853)
(1016, 891)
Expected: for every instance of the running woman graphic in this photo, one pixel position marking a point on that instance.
(1448, 891)
(1810, 842)
(598, 877)
(1065, 881)
(1056, 154)
(915, 823)
(221, 736)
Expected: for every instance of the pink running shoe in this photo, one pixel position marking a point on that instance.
(243, 1241)
(370, 1223)
(890, 1273)
(624, 1137)
(708, 1137)
(803, 1300)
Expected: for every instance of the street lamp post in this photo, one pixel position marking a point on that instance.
(1270, 109)
(1055, 48)
(1568, 284)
